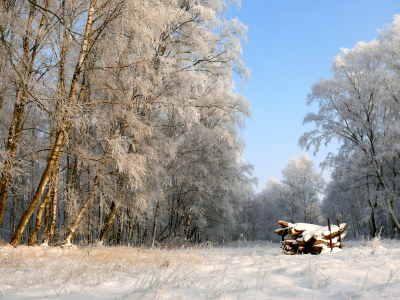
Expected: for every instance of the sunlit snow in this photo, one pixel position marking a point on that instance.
(363, 270)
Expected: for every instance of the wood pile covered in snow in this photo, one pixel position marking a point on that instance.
(303, 238)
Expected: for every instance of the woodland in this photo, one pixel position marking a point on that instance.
(120, 124)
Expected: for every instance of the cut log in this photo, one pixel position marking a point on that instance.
(335, 233)
(291, 242)
(289, 237)
(320, 241)
(283, 224)
(300, 241)
(282, 231)
(319, 248)
(293, 231)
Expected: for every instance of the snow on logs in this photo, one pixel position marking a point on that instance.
(303, 238)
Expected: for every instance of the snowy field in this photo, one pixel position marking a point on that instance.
(363, 270)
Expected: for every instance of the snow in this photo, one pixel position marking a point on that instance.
(305, 226)
(334, 239)
(321, 231)
(362, 270)
(309, 231)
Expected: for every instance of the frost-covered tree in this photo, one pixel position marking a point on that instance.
(267, 209)
(359, 106)
(294, 199)
(302, 186)
(133, 143)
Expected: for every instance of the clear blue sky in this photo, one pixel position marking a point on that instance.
(291, 44)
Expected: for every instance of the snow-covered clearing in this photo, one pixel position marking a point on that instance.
(363, 270)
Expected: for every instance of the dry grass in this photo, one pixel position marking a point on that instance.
(84, 266)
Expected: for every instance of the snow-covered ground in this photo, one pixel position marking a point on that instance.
(363, 270)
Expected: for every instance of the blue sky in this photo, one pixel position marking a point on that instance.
(291, 44)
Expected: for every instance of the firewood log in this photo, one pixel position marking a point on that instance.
(319, 248)
(282, 231)
(335, 233)
(326, 241)
(289, 237)
(319, 241)
(290, 242)
(283, 224)
(293, 231)
(300, 241)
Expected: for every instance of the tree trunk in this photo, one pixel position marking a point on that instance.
(109, 222)
(156, 214)
(54, 195)
(130, 227)
(88, 228)
(120, 232)
(39, 218)
(388, 198)
(74, 227)
(373, 220)
(113, 212)
(389, 205)
(146, 228)
(187, 226)
(49, 230)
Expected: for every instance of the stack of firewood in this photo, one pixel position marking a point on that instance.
(303, 238)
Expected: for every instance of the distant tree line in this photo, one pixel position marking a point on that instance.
(295, 199)
(119, 122)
